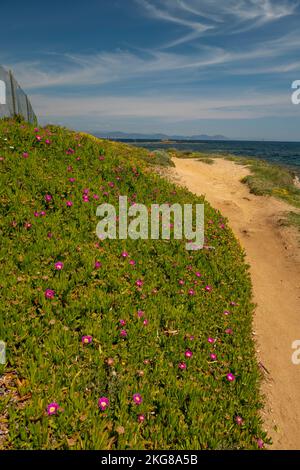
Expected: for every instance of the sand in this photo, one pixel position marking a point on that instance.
(274, 257)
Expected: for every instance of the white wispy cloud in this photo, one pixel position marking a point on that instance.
(172, 108)
(215, 16)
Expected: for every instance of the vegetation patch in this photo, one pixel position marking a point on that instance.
(116, 344)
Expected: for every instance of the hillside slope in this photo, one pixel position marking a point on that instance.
(160, 334)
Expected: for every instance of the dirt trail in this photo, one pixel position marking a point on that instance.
(274, 257)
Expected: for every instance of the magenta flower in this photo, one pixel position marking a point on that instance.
(188, 354)
(103, 403)
(208, 288)
(260, 443)
(96, 197)
(25, 155)
(123, 333)
(239, 420)
(49, 235)
(198, 274)
(182, 365)
(36, 214)
(229, 331)
(213, 357)
(49, 294)
(27, 225)
(48, 198)
(211, 340)
(181, 282)
(145, 322)
(226, 313)
(52, 408)
(124, 254)
(140, 313)
(122, 322)
(98, 265)
(230, 377)
(87, 339)
(132, 262)
(59, 266)
(72, 180)
(139, 283)
(69, 203)
(38, 138)
(47, 141)
(191, 292)
(141, 418)
(137, 399)
(42, 213)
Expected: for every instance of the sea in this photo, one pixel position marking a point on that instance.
(282, 153)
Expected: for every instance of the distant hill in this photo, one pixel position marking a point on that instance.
(136, 136)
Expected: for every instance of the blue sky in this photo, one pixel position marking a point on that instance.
(173, 66)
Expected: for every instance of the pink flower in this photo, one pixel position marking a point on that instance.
(70, 151)
(42, 213)
(124, 254)
(123, 333)
(260, 443)
(213, 357)
(36, 214)
(139, 283)
(230, 377)
(181, 282)
(145, 322)
(140, 313)
(38, 138)
(211, 340)
(47, 141)
(141, 418)
(239, 420)
(137, 399)
(226, 313)
(191, 292)
(111, 184)
(86, 339)
(98, 265)
(69, 203)
(208, 288)
(182, 365)
(188, 354)
(229, 331)
(52, 408)
(198, 274)
(48, 198)
(132, 262)
(122, 322)
(59, 266)
(25, 155)
(49, 294)
(27, 225)
(103, 403)
(96, 197)
(72, 180)
(49, 235)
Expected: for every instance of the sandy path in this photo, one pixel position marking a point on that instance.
(274, 257)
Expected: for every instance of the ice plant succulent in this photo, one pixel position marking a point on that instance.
(52, 408)
(87, 339)
(103, 403)
(59, 266)
(230, 377)
(49, 294)
(137, 399)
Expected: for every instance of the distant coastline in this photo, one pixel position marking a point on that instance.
(281, 153)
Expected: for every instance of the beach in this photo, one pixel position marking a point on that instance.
(272, 251)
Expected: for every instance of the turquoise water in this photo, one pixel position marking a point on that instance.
(283, 153)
